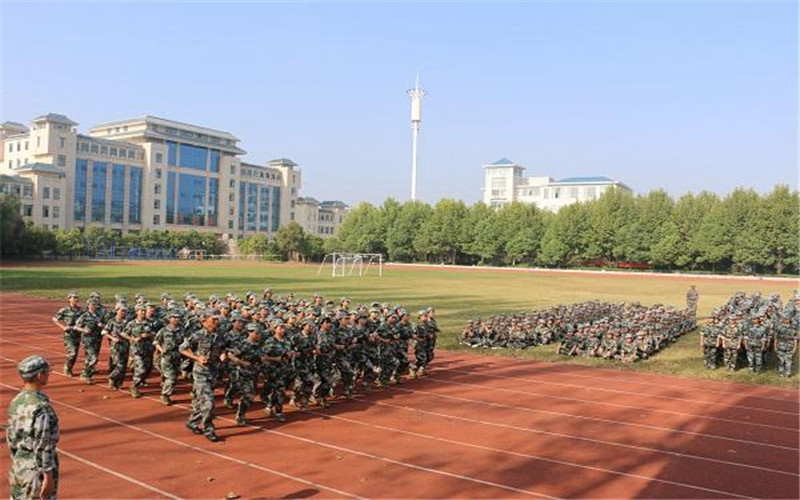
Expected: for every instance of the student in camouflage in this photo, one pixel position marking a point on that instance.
(65, 318)
(120, 347)
(422, 338)
(206, 348)
(246, 356)
(343, 356)
(90, 325)
(710, 342)
(137, 333)
(785, 346)
(756, 343)
(166, 342)
(324, 362)
(277, 357)
(32, 435)
(304, 344)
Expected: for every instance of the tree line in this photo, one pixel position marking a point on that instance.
(741, 232)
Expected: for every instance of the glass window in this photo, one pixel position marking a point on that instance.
(156, 219)
(27, 191)
(79, 206)
(213, 201)
(61, 142)
(135, 196)
(252, 206)
(172, 153)
(263, 209)
(56, 212)
(62, 161)
(214, 160)
(590, 192)
(242, 191)
(193, 157)
(98, 191)
(95, 149)
(117, 193)
(191, 200)
(157, 189)
(56, 194)
(103, 150)
(159, 158)
(113, 151)
(45, 211)
(233, 169)
(84, 147)
(170, 217)
(157, 204)
(46, 193)
(276, 207)
(27, 210)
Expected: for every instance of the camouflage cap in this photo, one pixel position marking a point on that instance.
(174, 313)
(166, 296)
(268, 290)
(94, 295)
(32, 365)
(254, 327)
(422, 312)
(275, 323)
(93, 301)
(236, 316)
(72, 295)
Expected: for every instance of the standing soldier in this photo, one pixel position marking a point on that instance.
(731, 341)
(421, 340)
(65, 319)
(137, 333)
(406, 330)
(710, 342)
(206, 348)
(245, 355)
(433, 333)
(156, 324)
(119, 346)
(785, 346)
(166, 343)
(692, 297)
(90, 324)
(756, 344)
(32, 435)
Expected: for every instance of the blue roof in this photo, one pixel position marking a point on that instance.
(39, 167)
(503, 161)
(597, 178)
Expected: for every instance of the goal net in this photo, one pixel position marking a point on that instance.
(352, 264)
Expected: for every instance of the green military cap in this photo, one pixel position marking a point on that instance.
(32, 365)
(317, 295)
(94, 301)
(236, 316)
(268, 290)
(431, 309)
(166, 296)
(254, 326)
(94, 295)
(224, 305)
(276, 323)
(174, 313)
(213, 298)
(188, 296)
(422, 312)
(141, 307)
(72, 295)
(249, 293)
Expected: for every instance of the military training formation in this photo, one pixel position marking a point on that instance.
(749, 330)
(256, 346)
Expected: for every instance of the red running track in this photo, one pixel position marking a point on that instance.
(478, 427)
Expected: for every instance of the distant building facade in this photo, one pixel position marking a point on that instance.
(143, 173)
(504, 183)
(320, 218)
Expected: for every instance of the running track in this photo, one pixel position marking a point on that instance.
(478, 427)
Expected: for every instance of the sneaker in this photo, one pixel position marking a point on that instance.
(412, 374)
(348, 394)
(195, 430)
(87, 380)
(279, 417)
(228, 404)
(111, 385)
(421, 371)
(269, 411)
(166, 400)
(324, 403)
(212, 437)
(241, 421)
(68, 372)
(135, 392)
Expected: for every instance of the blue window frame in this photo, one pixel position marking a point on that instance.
(135, 196)
(242, 195)
(252, 206)
(79, 206)
(276, 207)
(263, 209)
(191, 200)
(213, 197)
(117, 192)
(214, 164)
(172, 153)
(193, 157)
(171, 198)
(99, 191)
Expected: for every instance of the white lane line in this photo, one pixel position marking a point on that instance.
(615, 391)
(530, 456)
(620, 405)
(552, 368)
(562, 414)
(120, 475)
(306, 440)
(579, 438)
(595, 419)
(196, 448)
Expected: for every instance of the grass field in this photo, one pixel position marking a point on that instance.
(458, 295)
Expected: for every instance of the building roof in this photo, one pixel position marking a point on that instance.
(15, 178)
(334, 204)
(13, 126)
(167, 123)
(55, 117)
(39, 167)
(307, 199)
(283, 161)
(503, 162)
(578, 180)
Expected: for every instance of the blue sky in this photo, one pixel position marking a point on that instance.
(684, 96)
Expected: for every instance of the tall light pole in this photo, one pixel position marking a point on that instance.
(416, 119)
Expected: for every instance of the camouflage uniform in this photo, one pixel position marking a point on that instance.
(244, 377)
(211, 346)
(119, 351)
(169, 339)
(755, 343)
(68, 316)
(304, 345)
(785, 345)
(139, 335)
(422, 338)
(342, 359)
(324, 366)
(32, 435)
(275, 373)
(387, 333)
(710, 339)
(92, 324)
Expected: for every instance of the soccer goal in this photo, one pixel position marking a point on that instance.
(352, 264)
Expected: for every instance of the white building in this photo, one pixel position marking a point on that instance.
(143, 173)
(320, 218)
(503, 183)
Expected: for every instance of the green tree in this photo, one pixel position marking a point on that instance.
(70, 242)
(407, 225)
(440, 235)
(11, 225)
(290, 240)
